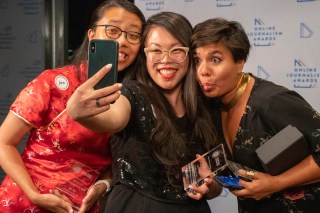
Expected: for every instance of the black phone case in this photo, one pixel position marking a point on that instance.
(101, 53)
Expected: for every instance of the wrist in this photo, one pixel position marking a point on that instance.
(107, 183)
(34, 197)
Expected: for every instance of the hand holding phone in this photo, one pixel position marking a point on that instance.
(101, 53)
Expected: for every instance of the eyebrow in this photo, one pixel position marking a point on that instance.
(131, 25)
(211, 52)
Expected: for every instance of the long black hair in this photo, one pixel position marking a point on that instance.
(168, 145)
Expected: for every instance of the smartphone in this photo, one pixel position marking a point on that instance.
(229, 182)
(101, 53)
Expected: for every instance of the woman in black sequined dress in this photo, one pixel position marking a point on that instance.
(159, 124)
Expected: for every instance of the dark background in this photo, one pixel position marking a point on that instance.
(79, 13)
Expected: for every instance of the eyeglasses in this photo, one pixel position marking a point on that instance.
(176, 54)
(115, 32)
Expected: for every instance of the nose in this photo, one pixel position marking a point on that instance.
(203, 69)
(122, 40)
(165, 57)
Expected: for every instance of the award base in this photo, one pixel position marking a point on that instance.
(207, 165)
(75, 181)
(211, 164)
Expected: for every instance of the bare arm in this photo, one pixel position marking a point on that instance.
(263, 185)
(12, 131)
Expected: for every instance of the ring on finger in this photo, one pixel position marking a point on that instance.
(98, 103)
(250, 173)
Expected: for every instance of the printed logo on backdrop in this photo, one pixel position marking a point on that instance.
(226, 3)
(29, 72)
(263, 34)
(153, 5)
(32, 37)
(3, 4)
(5, 71)
(299, 1)
(6, 37)
(5, 102)
(305, 31)
(303, 76)
(30, 7)
(262, 73)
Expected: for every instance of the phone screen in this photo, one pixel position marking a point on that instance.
(101, 53)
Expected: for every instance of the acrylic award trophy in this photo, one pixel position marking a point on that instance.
(207, 165)
(75, 181)
(211, 164)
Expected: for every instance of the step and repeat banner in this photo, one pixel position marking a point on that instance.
(285, 39)
(21, 50)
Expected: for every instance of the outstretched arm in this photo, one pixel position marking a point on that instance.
(93, 108)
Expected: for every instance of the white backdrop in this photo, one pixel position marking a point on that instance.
(285, 39)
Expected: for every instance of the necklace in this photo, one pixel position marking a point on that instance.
(242, 85)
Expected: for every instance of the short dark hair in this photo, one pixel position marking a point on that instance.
(219, 30)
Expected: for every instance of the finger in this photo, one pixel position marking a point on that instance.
(202, 190)
(247, 174)
(89, 196)
(195, 195)
(56, 192)
(111, 98)
(208, 181)
(98, 76)
(64, 207)
(83, 208)
(105, 91)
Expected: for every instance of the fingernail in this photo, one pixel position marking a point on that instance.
(120, 85)
(108, 66)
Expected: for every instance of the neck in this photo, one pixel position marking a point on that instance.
(241, 87)
(174, 98)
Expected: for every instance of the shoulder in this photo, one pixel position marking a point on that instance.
(131, 88)
(64, 78)
(268, 95)
(267, 90)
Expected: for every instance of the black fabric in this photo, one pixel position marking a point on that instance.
(270, 108)
(134, 164)
(123, 199)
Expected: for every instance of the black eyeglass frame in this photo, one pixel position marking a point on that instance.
(119, 34)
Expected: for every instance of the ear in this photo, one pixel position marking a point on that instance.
(90, 33)
(240, 65)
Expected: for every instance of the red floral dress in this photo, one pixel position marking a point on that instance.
(54, 141)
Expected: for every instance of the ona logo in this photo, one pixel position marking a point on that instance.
(61, 82)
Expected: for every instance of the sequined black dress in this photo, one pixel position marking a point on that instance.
(142, 184)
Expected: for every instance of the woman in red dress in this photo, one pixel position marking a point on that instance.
(60, 153)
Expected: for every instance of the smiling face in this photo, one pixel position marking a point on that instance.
(166, 73)
(126, 21)
(217, 72)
